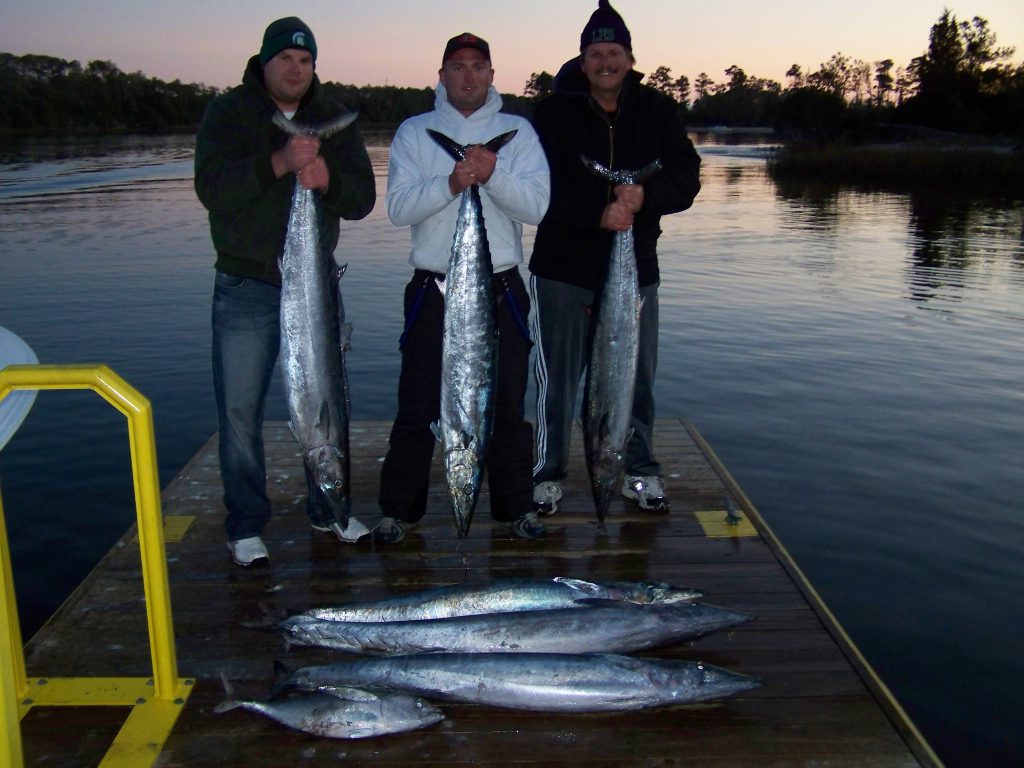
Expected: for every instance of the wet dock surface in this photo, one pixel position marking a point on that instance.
(819, 703)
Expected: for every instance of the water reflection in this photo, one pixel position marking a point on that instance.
(947, 236)
(792, 333)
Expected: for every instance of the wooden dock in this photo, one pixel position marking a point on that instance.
(819, 704)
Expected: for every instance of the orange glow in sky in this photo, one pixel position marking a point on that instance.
(399, 42)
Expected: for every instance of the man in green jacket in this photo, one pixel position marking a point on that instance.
(245, 172)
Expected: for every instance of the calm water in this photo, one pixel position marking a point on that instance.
(855, 359)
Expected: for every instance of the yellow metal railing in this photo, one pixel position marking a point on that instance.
(156, 702)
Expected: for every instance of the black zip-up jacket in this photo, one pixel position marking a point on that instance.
(570, 245)
(235, 180)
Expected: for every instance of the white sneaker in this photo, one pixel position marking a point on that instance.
(648, 492)
(546, 496)
(248, 551)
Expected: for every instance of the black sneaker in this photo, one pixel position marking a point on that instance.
(388, 531)
(529, 526)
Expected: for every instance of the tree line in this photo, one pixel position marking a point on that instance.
(963, 82)
(42, 95)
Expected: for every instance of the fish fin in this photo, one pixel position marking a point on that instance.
(345, 336)
(578, 584)
(597, 602)
(351, 532)
(452, 147)
(282, 680)
(291, 427)
(435, 427)
(230, 702)
(352, 694)
(271, 618)
(500, 141)
(323, 419)
(467, 439)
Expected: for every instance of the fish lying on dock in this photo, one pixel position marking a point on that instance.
(610, 626)
(504, 595)
(469, 347)
(611, 374)
(348, 713)
(314, 337)
(544, 682)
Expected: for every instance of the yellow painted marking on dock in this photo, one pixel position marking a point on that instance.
(715, 525)
(175, 527)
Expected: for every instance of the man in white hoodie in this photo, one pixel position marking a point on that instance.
(424, 190)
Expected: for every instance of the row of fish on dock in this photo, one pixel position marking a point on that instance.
(315, 336)
(549, 645)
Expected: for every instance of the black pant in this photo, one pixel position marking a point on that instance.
(406, 473)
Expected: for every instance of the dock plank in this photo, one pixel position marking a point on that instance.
(819, 703)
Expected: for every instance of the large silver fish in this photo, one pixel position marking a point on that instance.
(503, 595)
(604, 626)
(545, 682)
(343, 714)
(611, 374)
(314, 337)
(470, 348)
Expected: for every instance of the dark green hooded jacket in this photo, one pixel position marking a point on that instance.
(235, 181)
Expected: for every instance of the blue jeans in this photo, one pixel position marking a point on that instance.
(246, 339)
(246, 342)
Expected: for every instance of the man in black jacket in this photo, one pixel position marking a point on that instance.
(599, 109)
(245, 172)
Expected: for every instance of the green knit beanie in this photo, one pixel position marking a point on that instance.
(290, 32)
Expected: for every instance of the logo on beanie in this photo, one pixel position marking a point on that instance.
(299, 40)
(604, 35)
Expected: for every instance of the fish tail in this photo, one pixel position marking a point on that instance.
(458, 151)
(622, 177)
(500, 141)
(449, 145)
(322, 130)
(230, 702)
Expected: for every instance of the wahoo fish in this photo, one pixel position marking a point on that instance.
(609, 626)
(469, 348)
(346, 714)
(611, 374)
(314, 339)
(503, 595)
(543, 682)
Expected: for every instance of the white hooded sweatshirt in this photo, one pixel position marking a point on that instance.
(418, 195)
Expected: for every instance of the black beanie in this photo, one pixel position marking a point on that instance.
(605, 26)
(290, 32)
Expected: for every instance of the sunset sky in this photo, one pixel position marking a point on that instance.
(399, 42)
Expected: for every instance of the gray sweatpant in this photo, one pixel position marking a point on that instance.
(561, 331)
